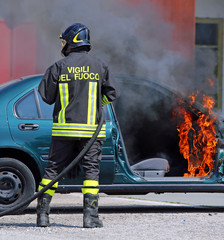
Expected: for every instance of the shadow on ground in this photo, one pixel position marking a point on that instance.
(132, 209)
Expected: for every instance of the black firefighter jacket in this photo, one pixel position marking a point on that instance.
(79, 85)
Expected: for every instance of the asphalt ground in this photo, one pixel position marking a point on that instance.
(196, 199)
(124, 217)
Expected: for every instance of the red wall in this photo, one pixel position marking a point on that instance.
(4, 52)
(18, 51)
(24, 50)
(181, 13)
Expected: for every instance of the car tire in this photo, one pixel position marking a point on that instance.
(17, 184)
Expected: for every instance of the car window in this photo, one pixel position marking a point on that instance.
(106, 113)
(26, 107)
(46, 109)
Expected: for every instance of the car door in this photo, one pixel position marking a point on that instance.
(30, 122)
(29, 126)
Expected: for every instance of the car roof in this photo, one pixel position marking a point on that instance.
(15, 87)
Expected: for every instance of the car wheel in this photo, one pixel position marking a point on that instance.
(17, 184)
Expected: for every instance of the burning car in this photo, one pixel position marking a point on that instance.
(164, 123)
(147, 148)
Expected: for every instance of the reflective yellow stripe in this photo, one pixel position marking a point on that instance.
(74, 128)
(84, 133)
(76, 124)
(88, 184)
(62, 102)
(76, 134)
(94, 104)
(105, 100)
(89, 103)
(77, 130)
(90, 190)
(49, 191)
(77, 127)
(64, 99)
(46, 182)
(91, 117)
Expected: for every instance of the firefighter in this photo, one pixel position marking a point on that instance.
(79, 85)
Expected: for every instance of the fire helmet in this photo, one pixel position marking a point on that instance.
(77, 35)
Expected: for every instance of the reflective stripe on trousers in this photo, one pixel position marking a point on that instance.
(44, 182)
(90, 186)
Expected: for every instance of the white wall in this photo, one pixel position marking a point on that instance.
(212, 9)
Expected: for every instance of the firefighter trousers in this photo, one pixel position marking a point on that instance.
(63, 152)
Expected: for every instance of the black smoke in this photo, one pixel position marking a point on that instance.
(134, 42)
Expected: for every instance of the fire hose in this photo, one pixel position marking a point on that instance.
(56, 179)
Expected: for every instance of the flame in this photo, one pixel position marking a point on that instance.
(197, 136)
(211, 83)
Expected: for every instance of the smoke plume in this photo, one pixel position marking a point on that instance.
(134, 42)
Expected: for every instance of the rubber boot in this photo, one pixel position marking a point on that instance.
(91, 218)
(43, 210)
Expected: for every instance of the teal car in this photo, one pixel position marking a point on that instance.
(132, 164)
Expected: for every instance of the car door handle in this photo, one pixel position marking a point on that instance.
(28, 126)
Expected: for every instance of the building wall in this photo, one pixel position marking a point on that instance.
(17, 44)
(212, 9)
(181, 14)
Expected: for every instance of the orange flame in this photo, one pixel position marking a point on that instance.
(198, 137)
(211, 83)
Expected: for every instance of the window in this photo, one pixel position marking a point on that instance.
(26, 107)
(45, 109)
(31, 106)
(207, 34)
(106, 114)
(209, 54)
